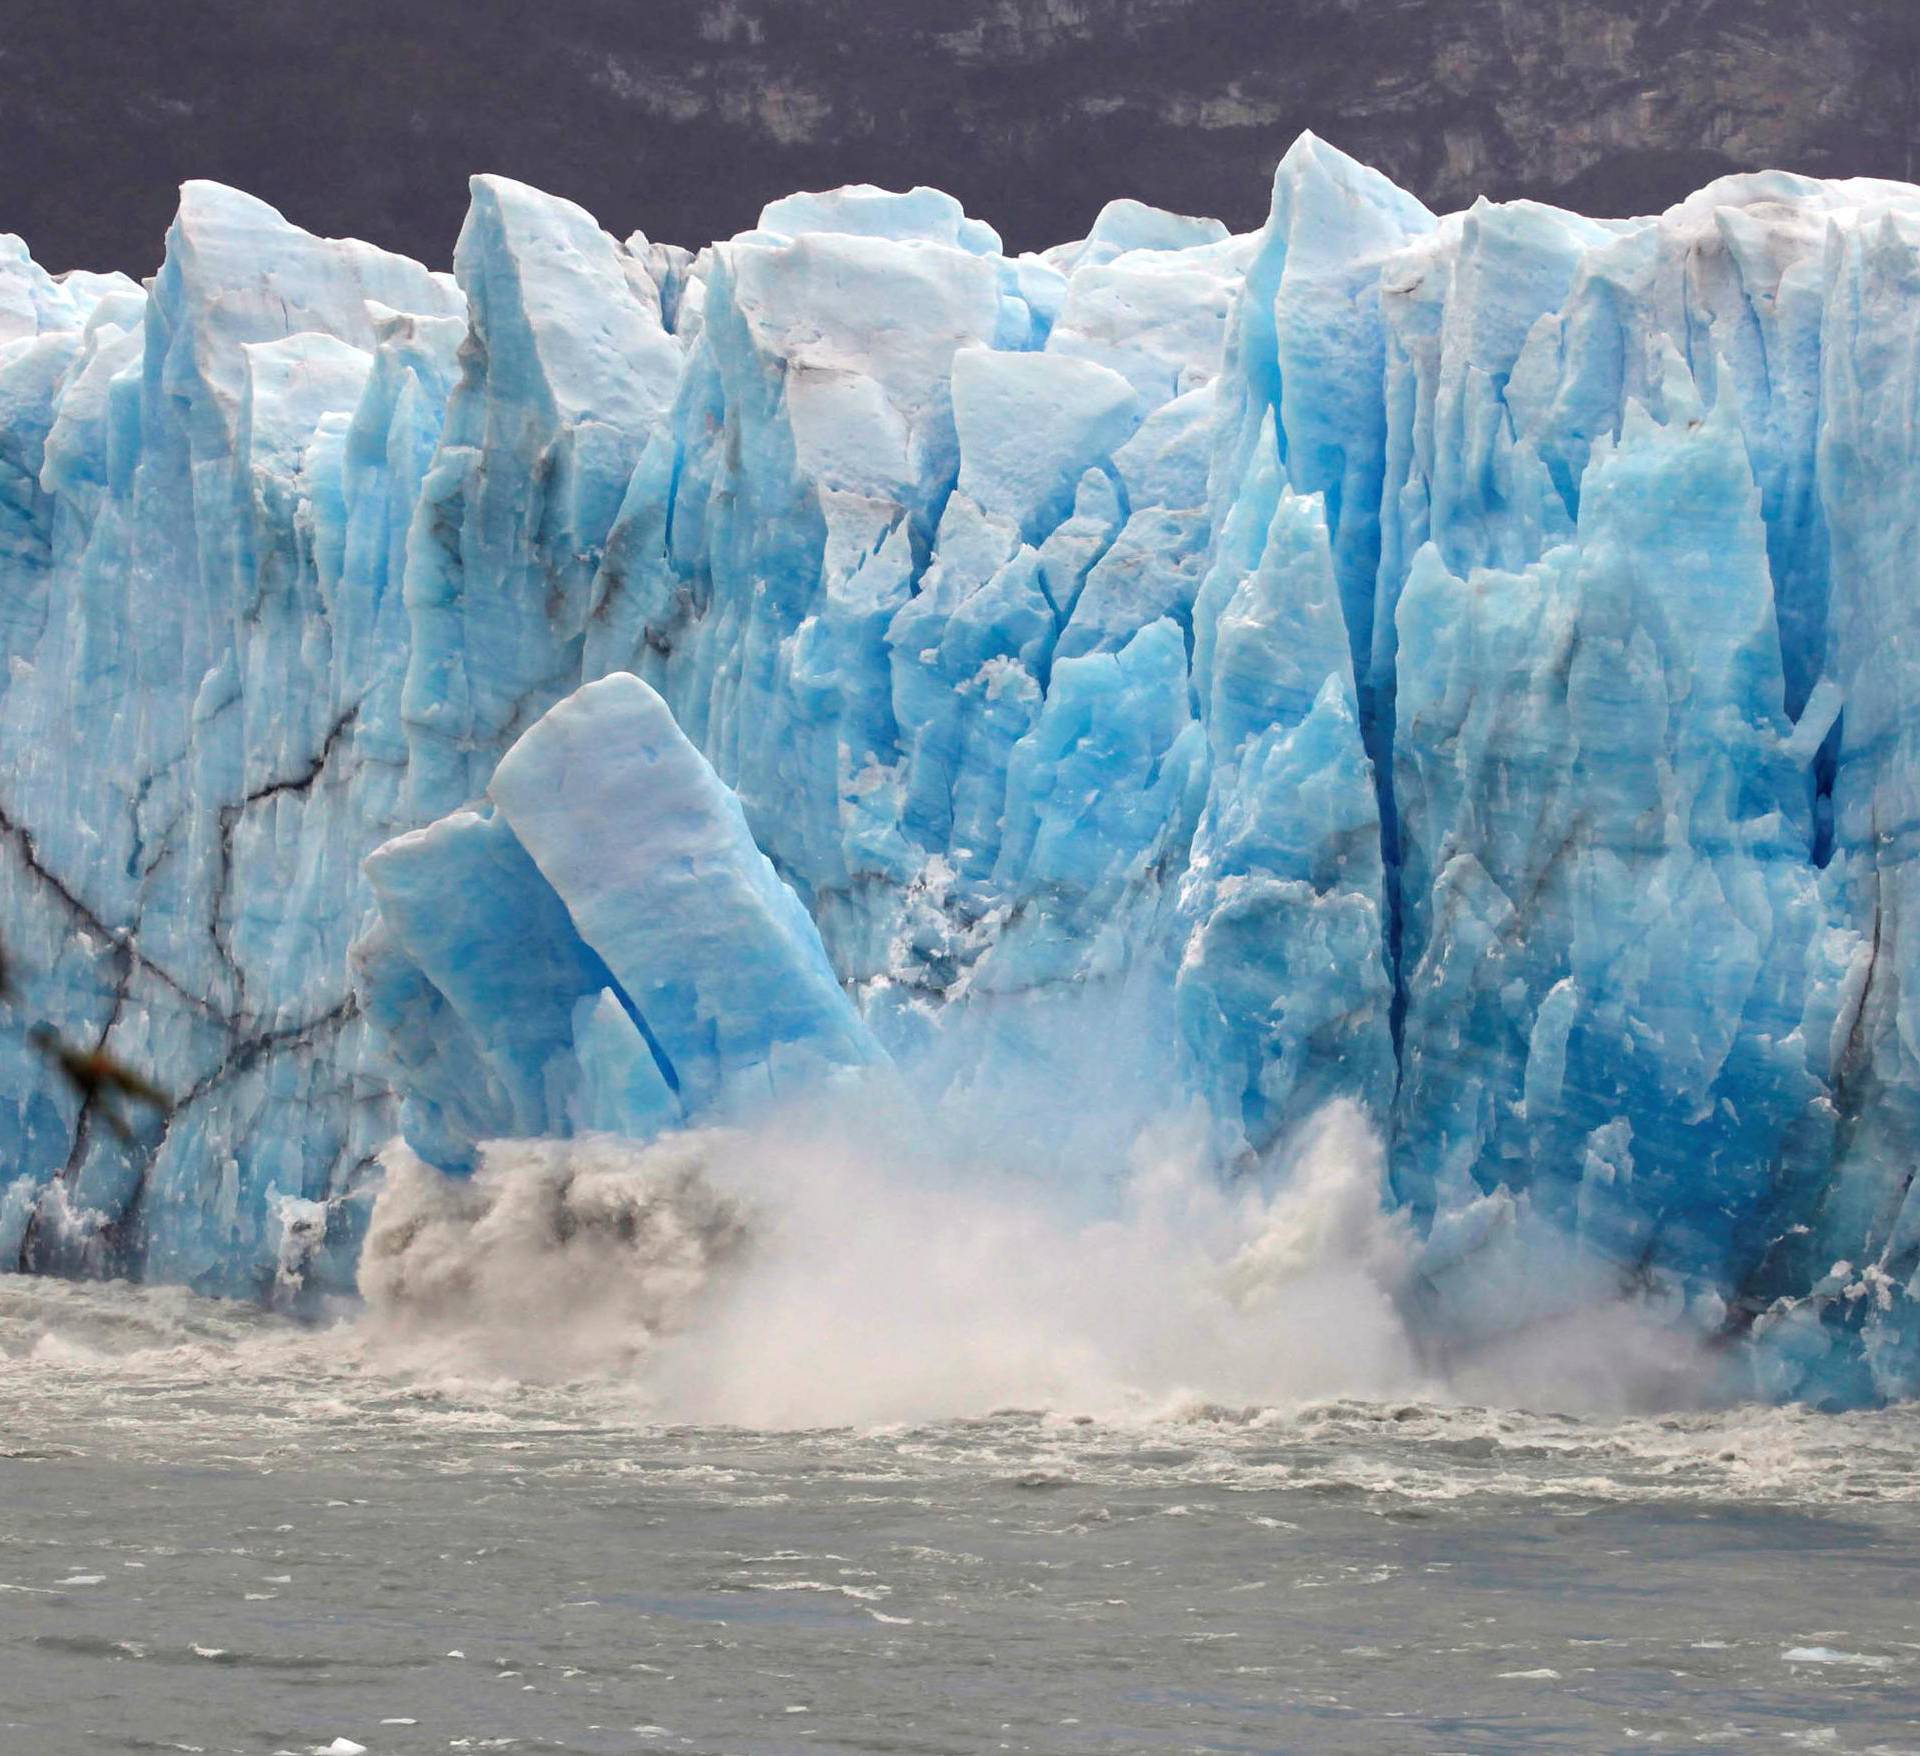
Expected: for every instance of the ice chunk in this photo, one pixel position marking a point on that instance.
(451, 896)
(861, 210)
(1133, 225)
(1029, 426)
(607, 947)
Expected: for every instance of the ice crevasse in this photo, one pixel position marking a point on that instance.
(1466, 665)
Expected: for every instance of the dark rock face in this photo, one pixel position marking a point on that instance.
(682, 117)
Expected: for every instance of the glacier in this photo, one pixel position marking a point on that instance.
(1467, 666)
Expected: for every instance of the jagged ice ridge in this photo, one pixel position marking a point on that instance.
(1465, 665)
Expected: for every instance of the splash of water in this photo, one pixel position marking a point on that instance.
(825, 1269)
(557, 1258)
(832, 1267)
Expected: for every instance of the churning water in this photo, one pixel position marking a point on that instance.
(623, 1454)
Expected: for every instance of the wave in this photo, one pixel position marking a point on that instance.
(160, 1375)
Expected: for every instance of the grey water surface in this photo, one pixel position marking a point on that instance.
(223, 1533)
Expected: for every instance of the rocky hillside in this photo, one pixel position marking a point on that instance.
(363, 117)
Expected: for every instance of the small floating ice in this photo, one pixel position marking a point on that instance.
(1826, 1655)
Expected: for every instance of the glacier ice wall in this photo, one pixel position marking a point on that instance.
(1469, 665)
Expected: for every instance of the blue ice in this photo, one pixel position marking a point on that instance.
(1461, 664)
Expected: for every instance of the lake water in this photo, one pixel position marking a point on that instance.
(223, 1532)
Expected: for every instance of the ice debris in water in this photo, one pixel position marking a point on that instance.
(1464, 665)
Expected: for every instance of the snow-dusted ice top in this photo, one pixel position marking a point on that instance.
(1469, 666)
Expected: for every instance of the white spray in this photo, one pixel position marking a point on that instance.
(829, 1268)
